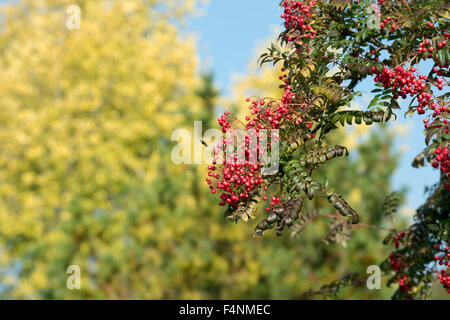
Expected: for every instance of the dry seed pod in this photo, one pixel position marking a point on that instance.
(295, 144)
(288, 222)
(295, 215)
(283, 215)
(247, 209)
(299, 141)
(340, 151)
(368, 120)
(330, 154)
(263, 225)
(321, 156)
(272, 218)
(343, 207)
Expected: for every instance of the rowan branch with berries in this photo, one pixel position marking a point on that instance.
(327, 48)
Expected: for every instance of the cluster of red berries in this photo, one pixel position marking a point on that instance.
(398, 266)
(396, 262)
(403, 82)
(296, 14)
(223, 122)
(442, 160)
(443, 260)
(403, 283)
(240, 175)
(236, 177)
(444, 121)
(436, 108)
(288, 95)
(273, 201)
(398, 238)
(426, 46)
(439, 71)
(385, 22)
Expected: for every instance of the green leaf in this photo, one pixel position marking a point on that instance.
(441, 57)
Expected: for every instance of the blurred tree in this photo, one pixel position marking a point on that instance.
(208, 94)
(85, 120)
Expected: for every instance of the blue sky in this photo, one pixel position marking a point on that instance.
(229, 32)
